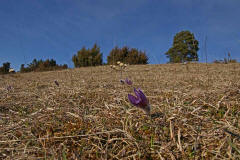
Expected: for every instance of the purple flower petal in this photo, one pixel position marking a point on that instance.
(140, 101)
(129, 82)
(137, 93)
(56, 82)
(143, 97)
(134, 100)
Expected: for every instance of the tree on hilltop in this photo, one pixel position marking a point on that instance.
(184, 48)
(127, 55)
(41, 65)
(5, 68)
(88, 57)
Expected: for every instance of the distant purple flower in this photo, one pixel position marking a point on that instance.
(56, 82)
(9, 88)
(129, 82)
(140, 101)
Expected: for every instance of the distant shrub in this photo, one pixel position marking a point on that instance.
(5, 68)
(40, 65)
(127, 55)
(225, 61)
(218, 61)
(232, 61)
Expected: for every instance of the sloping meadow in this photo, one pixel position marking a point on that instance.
(85, 113)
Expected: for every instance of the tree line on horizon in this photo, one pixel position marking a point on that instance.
(184, 49)
(93, 56)
(41, 65)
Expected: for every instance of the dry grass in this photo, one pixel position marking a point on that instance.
(195, 113)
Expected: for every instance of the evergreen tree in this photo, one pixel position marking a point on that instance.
(127, 55)
(184, 48)
(41, 65)
(5, 68)
(88, 57)
(114, 55)
(22, 68)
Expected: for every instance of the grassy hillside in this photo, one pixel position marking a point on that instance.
(195, 113)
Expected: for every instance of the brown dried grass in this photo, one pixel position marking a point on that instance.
(195, 113)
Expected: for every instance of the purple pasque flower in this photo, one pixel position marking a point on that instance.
(9, 88)
(140, 101)
(129, 82)
(56, 82)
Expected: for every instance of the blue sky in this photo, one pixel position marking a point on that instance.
(59, 28)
